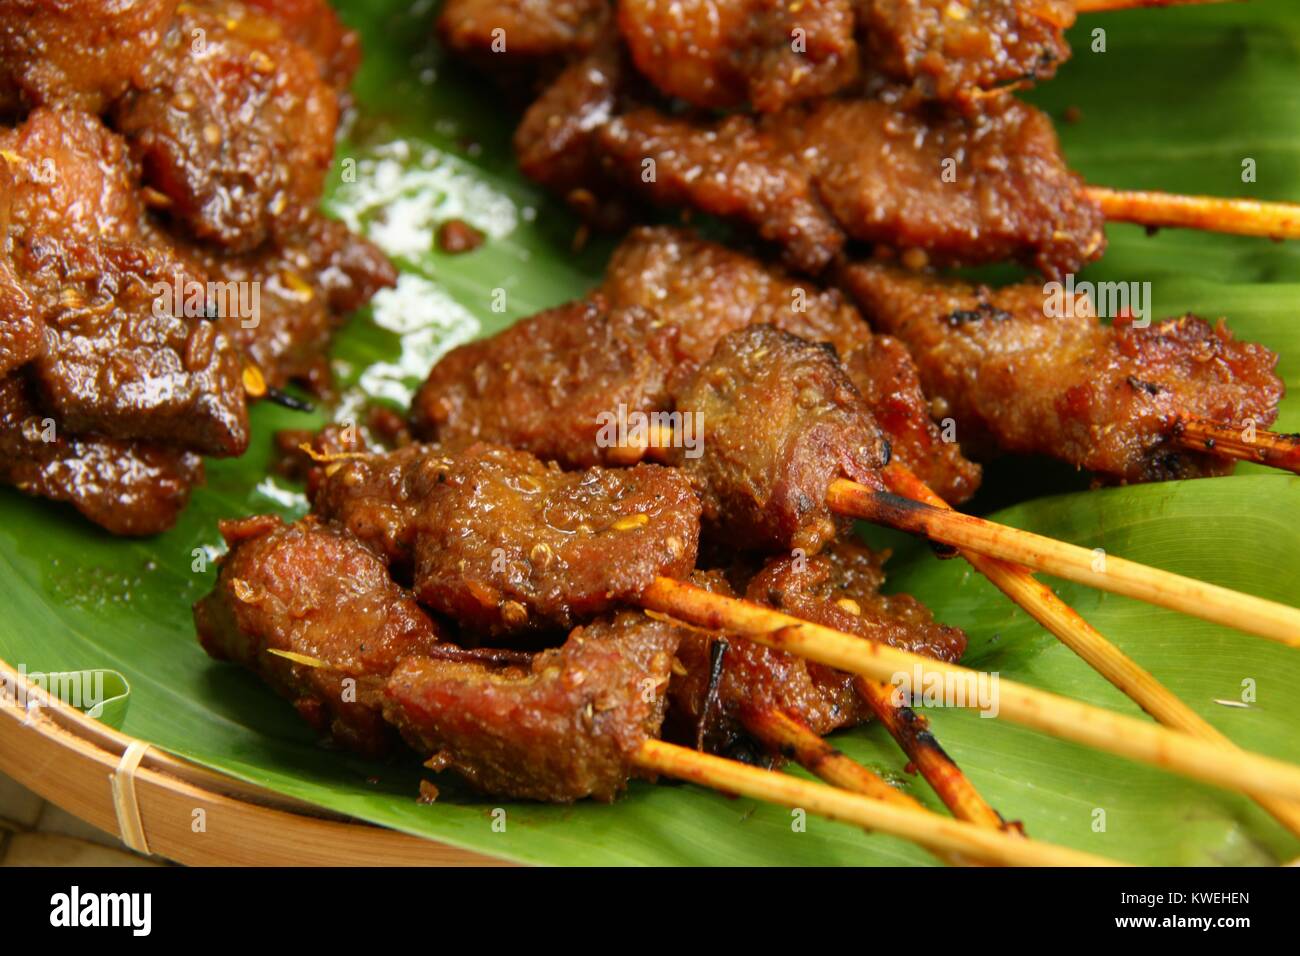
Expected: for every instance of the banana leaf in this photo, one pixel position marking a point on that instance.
(1177, 100)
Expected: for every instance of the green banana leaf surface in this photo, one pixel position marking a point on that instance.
(1175, 99)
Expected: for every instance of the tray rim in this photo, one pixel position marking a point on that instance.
(68, 759)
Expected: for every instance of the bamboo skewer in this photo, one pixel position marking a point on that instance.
(1221, 605)
(1072, 720)
(901, 815)
(793, 739)
(928, 829)
(1245, 612)
(1242, 217)
(1079, 636)
(1257, 445)
(912, 731)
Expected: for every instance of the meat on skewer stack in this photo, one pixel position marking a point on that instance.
(881, 122)
(494, 594)
(479, 711)
(419, 564)
(575, 720)
(685, 279)
(764, 493)
(511, 549)
(161, 260)
(924, 180)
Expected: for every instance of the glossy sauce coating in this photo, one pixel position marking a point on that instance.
(721, 54)
(707, 290)
(317, 591)
(1104, 398)
(238, 131)
(782, 421)
(120, 356)
(78, 53)
(564, 728)
(127, 488)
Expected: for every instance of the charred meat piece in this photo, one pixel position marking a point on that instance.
(507, 545)
(67, 175)
(128, 488)
(314, 590)
(964, 189)
(555, 142)
(237, 132)
(781, 421)
(948, 48)
(546, 383)
(308, 281)
(379, 497)
(721, 54)
(1104, 398)
(886, 375)
(733, 169)
(121, 359)
(838, 588)
(567, 727)
(79, 53)
(706, 290)
(528, 29)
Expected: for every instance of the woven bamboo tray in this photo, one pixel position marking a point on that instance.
(71, 760)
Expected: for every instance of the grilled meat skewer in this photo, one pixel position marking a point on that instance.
(963, 189)
(563, 727)
(506, 545)
(391, 501)
(729, 54)
(544, 383)
(1105, 398)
